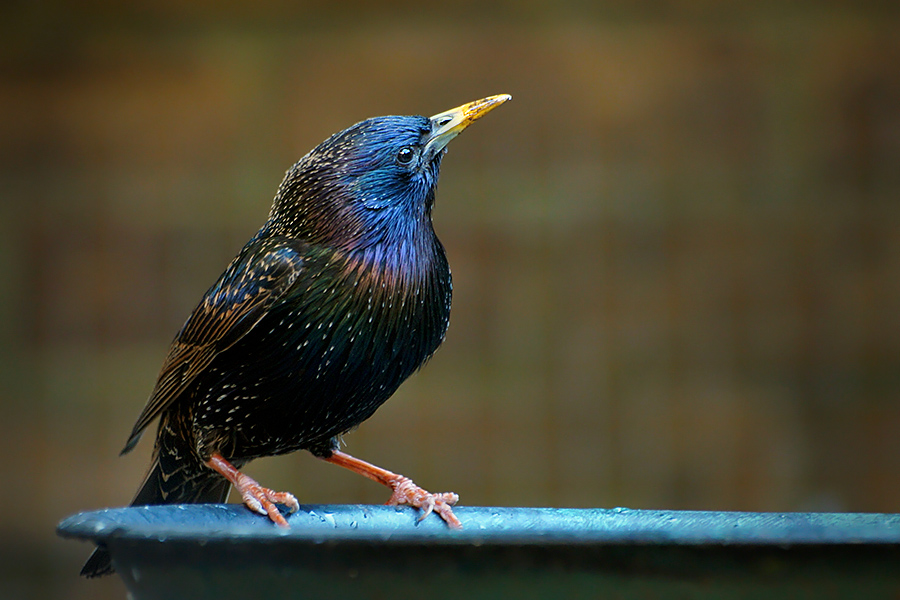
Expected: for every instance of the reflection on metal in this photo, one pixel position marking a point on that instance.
(353, 551)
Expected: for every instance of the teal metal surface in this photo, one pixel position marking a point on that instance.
(354, 551)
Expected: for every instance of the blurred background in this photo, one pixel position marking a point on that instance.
(676, 252)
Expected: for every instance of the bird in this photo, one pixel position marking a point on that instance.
(342, 294)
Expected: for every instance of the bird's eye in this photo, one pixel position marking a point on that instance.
(405, 155)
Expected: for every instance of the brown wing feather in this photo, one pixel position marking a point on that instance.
(257, 278)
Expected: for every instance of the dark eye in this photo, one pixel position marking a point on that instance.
(406, 155)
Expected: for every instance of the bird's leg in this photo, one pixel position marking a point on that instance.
(404, 490)
(257, 498)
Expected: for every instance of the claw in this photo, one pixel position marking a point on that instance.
(407, 492)
(256, 497)
(262, 500)
(403, 490)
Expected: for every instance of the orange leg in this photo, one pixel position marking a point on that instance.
(404, 490)
(256, 497)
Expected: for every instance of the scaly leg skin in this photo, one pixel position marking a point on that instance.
(404, 490)
(256, 497)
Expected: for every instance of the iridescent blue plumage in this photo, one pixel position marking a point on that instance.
(342, 294)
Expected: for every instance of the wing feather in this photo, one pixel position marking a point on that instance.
(252, 283)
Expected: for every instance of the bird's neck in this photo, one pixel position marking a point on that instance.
(403, 260)
(401, 249)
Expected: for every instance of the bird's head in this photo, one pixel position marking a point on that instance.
(372, 182)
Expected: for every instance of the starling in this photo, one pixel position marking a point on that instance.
(341, 295)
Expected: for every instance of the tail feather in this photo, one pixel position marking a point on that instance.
(98, 564)
(181, 485)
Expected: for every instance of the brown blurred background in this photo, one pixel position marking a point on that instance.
(676, 253)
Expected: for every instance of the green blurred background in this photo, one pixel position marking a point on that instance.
(676, 252)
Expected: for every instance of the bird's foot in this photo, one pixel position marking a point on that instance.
(262, 500)
(407, 492)
(256, 497)
(403, 488)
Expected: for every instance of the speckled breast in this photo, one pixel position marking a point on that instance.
(339, 343)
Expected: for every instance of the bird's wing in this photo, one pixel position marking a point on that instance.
(252, 283)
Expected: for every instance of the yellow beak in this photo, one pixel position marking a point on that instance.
(449, 124)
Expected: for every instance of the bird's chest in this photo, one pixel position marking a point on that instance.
(354, 317)
(333, 350)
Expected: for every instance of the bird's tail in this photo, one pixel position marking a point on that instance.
(171, 479)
